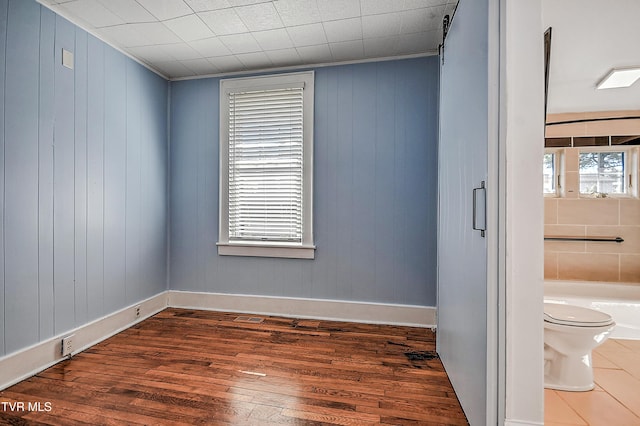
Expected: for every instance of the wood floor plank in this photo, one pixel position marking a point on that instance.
(186, 367)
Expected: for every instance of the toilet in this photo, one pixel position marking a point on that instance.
(570, 334)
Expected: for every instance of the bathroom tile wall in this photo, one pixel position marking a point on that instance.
(575, 216)
(588, 124)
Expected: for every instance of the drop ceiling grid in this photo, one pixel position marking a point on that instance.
(184, 38)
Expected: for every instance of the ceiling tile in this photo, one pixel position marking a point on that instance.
(181, 51)
(347, 50)
(227, 63)
(93, 13)
(201, 66)
(284, 57)
(343, 30)
(380, 47)
(385, 25)
(224, 22)
(307, 35)
(189, 28)
(129, 10)
(260, 17)
(150, 54)
(210, 47)
(315, 54)
(298, 12)
(374, 7)
(255, 60)
(330, 10)
(204, 5)
(174, 69)
(418, 42)
(124, 35)
(450, 8)
(219, 36)
(240, 43)
(156, 32)
(419, 4)
(236, 3)
(273, 39)
(166, 9)
(414, 21)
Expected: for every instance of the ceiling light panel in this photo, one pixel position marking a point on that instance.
(618, 78)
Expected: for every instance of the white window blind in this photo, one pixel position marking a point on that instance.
(266, 165)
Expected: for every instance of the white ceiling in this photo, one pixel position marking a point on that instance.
(589, 38)
(183, 38)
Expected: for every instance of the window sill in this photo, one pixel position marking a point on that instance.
(588, 196)
(254, 250)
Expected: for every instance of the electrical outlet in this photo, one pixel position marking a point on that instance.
(137, 311)
(67, 345)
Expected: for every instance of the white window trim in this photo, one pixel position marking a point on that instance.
(558, 157)
(630, 167)
(305, 249)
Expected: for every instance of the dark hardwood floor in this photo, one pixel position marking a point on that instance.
(194, 367)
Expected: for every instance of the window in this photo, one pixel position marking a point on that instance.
(551, 172)
(266, 166)
(603, 172)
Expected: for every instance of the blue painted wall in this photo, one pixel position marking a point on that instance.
(83, 187)
(375, 190)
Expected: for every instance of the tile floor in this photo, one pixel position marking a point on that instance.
(616, 398)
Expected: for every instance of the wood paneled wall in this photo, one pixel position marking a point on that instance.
(83, 188)
(375, 190)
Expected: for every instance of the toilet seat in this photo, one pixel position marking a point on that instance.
(575, 316)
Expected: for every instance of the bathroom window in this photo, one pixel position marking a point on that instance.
(605, 172)
(551, 173)
(266, 166)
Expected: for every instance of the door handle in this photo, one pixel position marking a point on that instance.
(480, 209)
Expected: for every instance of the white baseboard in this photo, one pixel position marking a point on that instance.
(27, 362)
(508, 422)
(337, 310)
